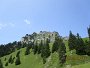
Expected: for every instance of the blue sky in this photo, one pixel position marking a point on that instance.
(19, 17)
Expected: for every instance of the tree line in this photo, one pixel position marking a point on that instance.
(77, 43)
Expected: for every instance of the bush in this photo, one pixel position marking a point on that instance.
(1, 65)
(6, 64)
(18, 62)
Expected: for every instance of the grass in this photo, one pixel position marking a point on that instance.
(35, 61)
(29, 61)
(32, 61)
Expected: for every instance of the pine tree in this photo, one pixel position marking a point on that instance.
(1, 65)
(62, 51)
(18, 62)
(80, 46)
(17, 53)
(87, 49)
(44, 60)
(35, 50)
(72, 41)
(89, 32)
(47, 48)
(40, 47)
(6, 64)
(5, 59)
(55, 45)
(27, 50)
(10, 59)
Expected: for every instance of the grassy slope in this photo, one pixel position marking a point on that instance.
(78, 61)
(32, 61)
(35, 61)
(29, 61)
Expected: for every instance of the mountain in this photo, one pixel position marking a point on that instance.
(35, 60)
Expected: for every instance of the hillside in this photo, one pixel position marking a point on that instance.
(35, 61)
(32, 61)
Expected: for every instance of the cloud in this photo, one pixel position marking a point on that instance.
(11, 24)
(4, 25)
(27, 21)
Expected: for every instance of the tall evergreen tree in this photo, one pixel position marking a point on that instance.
(40, 47)
(6, 64)
(45, 51)
(55, 45)
(80, 46)
(17, 53)
(62, 51)
(87, 49)
(28, 49)
(35, 50)
(47, 47)
(10, 59)
(72, 41)
(88, 32)
(1, 64)
(18, 62)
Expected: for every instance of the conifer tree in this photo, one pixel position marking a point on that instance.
(17, 53)
(80, 46)
(40, 47)
(35, 50)
(55, 45)
(1, 64)
(87, 43)
(10, 59)
(6, 64)
(18, 62)
(72, 41)
(27, 50)
(88, 32)
(62, 51)
(47, 48)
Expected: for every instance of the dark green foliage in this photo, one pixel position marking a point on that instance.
(28, 50)
(72, 41)
(5, 59)
(55, 45)
(88, 32)
(45, 51)
(47, 48)
(19, 45)
(44, 60)
(87, 49)
(18, 62)
(13, 58)
(6, 49)
(35, 50)
(24, 45)
(80, 46)
(40, 47)
(17, 53)
(61, 51)
(6, 64)
(10, 59)
(1, 64)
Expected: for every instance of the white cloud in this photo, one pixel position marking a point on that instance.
(4, 25)
(27, 21)
(11, 24)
